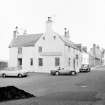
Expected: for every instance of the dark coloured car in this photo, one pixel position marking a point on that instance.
(62, 71)
(85, 68)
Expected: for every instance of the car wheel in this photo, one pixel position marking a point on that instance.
(19, 75)
(3, 75)
(89, 70)
(52, 74)
(73, 73)
(57, 73)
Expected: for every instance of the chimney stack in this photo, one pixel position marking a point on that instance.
(49, 19)
(15, 32)
(66, 33)
(49, 25)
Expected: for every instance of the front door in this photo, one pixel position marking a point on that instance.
(20, 62)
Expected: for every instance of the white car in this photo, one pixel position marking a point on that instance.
(19, 73)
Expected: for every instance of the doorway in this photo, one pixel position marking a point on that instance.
(20, 62)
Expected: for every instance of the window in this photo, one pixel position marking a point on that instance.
(40, 49)
(57, 61)
(68, 61)
(54, 37)
(74, 63)
(77, 57)
(20, 63)
(19, 50)
(77, 62)
(40, 61)
(31, 61)
(43, 38)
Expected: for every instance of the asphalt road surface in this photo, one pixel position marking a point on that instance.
(82, 89)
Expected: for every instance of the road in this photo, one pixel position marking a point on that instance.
(88, 88)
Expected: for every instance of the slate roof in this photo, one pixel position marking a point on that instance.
(25, 40)
(31, 39)
(70, 43)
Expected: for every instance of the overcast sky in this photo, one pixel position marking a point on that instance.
(84, 18)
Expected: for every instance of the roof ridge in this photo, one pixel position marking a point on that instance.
(68, 42)
(30, 34)
(25, 40)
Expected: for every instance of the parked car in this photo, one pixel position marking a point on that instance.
(85, 68)
(62, 71)
(18, 73)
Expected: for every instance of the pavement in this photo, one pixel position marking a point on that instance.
(82, 89)
(99, 67)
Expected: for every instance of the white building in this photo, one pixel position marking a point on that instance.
(96, 55)
(85, 56)
(44, 52)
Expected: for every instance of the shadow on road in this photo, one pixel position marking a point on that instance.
(12, 93)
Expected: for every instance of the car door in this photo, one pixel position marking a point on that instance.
(12, 73)
(62, 71)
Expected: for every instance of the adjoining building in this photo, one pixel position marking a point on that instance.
(85, 56)
(96, 56)
(44, 51)
(103, 56)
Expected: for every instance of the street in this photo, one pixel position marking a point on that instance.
(87, 88)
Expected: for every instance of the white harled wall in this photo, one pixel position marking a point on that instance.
(27, 54)
(51, 46)
(12, 57)
(71, 53)
(85, 58)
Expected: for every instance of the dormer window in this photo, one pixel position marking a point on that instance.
(54, 37)
(43, 38)
(40, 49)
(19, 50)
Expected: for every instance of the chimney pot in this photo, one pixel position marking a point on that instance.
(66, 33)
(49, 19)
(15, 32)
(49, 25)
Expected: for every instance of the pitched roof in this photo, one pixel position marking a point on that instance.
(31, 39)
(25, 40)
(69, 43)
